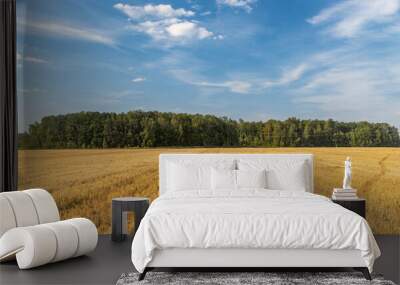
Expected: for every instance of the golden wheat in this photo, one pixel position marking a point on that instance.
(84, 181)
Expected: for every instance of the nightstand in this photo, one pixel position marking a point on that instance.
(356, 205)
(120, 207)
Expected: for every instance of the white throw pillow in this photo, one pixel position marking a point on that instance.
(281, 174)
(223, 179)
(251, 178)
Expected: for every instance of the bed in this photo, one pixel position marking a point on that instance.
(247, 210)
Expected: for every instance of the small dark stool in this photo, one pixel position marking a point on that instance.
(357, 205)
(120, 207)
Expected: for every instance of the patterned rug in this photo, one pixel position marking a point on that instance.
(269, 278)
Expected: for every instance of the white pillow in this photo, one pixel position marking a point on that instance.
(251, 178)
(281, 174)
(223, 179)
(186, 177)
(291, 178)
(193, 174)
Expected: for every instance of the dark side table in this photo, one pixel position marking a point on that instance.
(357, 205)
(120, 207)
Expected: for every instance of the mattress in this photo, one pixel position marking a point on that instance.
(250, 219)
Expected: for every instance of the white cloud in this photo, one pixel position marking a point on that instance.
(243, 4)
(165, 24)
(241, 87)
(73, 32)
(350, 18)
(31, 59)
(206, 13)
(187, 29)
(138, 79)
(161, 11)
(288, 76)
(188, 69)
(34, 59)
(192, 71)
(173, 30)
(218, 37)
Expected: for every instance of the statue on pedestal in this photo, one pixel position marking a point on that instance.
(347, 174)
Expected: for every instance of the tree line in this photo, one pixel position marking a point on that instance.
(157, 129)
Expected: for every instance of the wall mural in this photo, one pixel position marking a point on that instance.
(104, 87)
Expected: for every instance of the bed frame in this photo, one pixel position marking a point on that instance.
(242, 259)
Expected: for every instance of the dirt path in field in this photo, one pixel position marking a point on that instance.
(375, 178)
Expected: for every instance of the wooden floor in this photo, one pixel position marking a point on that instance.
(110, 260)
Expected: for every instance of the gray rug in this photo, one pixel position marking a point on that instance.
(228, 278)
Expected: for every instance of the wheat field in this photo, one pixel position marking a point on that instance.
(83, 182)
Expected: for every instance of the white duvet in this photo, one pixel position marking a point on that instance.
(250, 219)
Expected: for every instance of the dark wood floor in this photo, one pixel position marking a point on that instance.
(110, 260)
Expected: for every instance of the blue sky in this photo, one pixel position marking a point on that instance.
(246, 59)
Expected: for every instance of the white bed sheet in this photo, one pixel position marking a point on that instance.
(250, 218)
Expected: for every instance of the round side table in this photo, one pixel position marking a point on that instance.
(120, 207)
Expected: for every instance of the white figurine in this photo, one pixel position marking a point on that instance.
(347, 174)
